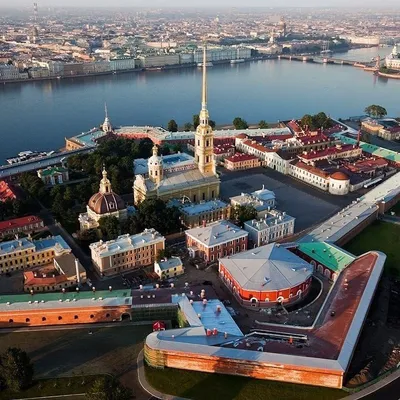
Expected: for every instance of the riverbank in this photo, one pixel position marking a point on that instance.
(163, 68)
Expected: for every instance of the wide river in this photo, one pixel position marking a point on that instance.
(38, 115)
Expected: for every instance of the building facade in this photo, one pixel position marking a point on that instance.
(205, 212)
(15, 226)
(170, 268)
(240, 161)
(127, 252)
(274, 226)
(53, 175)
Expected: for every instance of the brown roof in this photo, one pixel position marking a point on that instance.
(103, 203)
(311, 169)
(340, 176)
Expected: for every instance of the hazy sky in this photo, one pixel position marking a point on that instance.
(206, 3)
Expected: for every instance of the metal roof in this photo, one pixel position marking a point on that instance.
(172, 262)
(327, 254)
(212, 205)
(267, 268)
(216, 233)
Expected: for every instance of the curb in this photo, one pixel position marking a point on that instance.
(146, 386)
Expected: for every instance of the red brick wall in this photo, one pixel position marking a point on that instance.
(68, 316)
(271, 371)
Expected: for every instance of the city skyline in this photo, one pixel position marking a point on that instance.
(203, 4)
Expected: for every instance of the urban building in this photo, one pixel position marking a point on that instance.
(169, 268)
(275, 225)
(216, 240)
(199, 184)
(392, 61)
(25, 253)
(53, 175)
(105, 203)
(122, 64)
(65, 272)
(262, 200)
(331, 153)
(309, 174)
(268, 274)
(7, 191)
(127, 252)
(25, 225)
(240, 161)
(204, 212)
(222, 151)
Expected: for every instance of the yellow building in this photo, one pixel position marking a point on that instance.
(170, 268)
(198, 184)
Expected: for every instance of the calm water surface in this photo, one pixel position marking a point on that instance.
(37, 116)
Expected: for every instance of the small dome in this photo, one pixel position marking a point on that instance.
(103, 203)
(340, 176)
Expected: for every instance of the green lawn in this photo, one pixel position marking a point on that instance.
(382, 236)
(200, 386)
(53, 387)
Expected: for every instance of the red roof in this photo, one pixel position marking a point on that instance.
(19, 222)
(32, 280)
(311, 169)
(340, 176)
(241, 157)
(6, 192)
(294, 126)
(223, 148)
(326, 152)
(308, 139)
(257, 146)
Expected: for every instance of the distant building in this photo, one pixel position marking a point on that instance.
(53, 175)
(266, 276)
(392, 61)
(121, 64)
(25, 253)
(105, 203)
(216, 240)
(15, 226)
(127, 252)
(206, 212)
(240, 161)
(274, 226)
(222, 151)
(262, 200)
(169, 268)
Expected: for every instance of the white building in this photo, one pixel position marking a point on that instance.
(339, 183)
(121, 64)
(170, 268)
(274, 226)
(9, 72)
(262, 200)
(393, 60)
(309, 174)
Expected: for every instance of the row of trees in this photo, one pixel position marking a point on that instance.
(317, 121)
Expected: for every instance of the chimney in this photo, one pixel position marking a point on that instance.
(78, 276)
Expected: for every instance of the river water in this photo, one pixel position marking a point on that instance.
(38, 115)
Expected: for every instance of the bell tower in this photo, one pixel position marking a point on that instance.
(155, 165)
(204, 137)
(105, 184)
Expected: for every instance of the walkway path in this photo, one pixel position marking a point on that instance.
(146, 386)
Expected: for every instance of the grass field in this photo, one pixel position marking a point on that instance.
(382, 236)
(200, 386)
(53, 387)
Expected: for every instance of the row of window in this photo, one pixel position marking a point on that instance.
(27, 320)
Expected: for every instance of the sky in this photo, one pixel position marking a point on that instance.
(204, 3)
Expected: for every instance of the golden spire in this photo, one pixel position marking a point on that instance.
(204, 112)
(155, 150)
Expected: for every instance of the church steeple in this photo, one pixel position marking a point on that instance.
(204, 139)
(106, 124)
(105, 184)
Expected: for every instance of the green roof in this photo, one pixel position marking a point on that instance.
(81, 295)
(53, 170)
(327, 254)
(374, 150)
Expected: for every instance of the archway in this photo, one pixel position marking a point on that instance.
(280, 299)
(125, 317)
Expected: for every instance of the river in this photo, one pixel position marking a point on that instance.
(38, 115)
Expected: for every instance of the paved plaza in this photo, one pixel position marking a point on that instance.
(300, 201)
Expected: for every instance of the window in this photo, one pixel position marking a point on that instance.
(43, 319)
(91, 316)
(107, 315)
(27, 320)
(75, 317)
(59, 318)
(10, 321)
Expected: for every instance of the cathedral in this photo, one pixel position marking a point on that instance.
(201, 183)
(105, 203)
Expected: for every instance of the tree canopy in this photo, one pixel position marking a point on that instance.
(109, 227)
(172, 126)
(16, 369)
(108, 388)
(240, 123)
(375, 111)
(187, 127)
(263, 124)
(196, 121)
(317, 121)
(244, 213)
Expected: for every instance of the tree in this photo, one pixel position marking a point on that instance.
(164, 253)
(196, 121)
(240, 123)
(307, 121)
(187, 127)
(172, 126)
(211, 123)
(244, 213)
(108, 388)
(177, 148)
(165, 150)
(109, 227)
(263, 124)
(16, 369)
(375, 111)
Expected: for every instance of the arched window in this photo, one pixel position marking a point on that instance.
(299, 293)
(107, 315)
(91, 316)
(59, 318)
(27, 320)
(43, 319)
(10, 321)
(75, 317)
